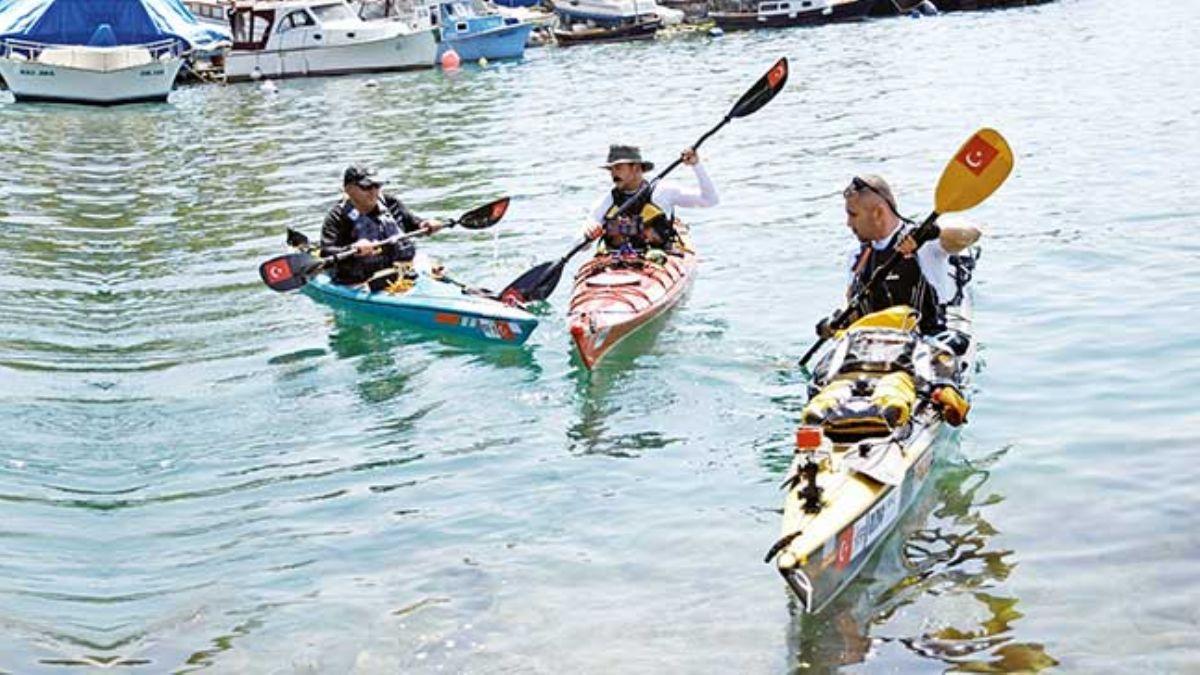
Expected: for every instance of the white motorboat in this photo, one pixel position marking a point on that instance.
(124, 51)
(298, 38)
(80, 74)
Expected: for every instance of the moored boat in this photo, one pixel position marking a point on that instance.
(434, 304)
(605, 13)
(614, 296)
(741, 15)
(643, 27)
(128, 51)
(882, 398)
(298, 38)
(473, 31)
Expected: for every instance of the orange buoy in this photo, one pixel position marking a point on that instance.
(450, 60)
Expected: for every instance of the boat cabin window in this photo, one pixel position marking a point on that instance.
(768, 7)
(296, 19)
(251, 28)
(783, 5)
(328, 13)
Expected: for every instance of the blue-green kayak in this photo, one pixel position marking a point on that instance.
(432, 304)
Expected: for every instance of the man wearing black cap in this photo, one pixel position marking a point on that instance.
(364, 217)
(648, 222)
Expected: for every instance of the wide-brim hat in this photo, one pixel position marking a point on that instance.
(626, 154)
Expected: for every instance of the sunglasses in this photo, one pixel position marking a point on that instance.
(858, 185)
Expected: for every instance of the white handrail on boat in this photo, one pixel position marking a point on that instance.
(90, 58)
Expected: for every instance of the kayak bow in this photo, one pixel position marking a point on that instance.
(613, 298)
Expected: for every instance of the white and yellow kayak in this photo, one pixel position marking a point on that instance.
(868, 444)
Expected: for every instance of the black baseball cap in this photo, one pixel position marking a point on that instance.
(361, 175)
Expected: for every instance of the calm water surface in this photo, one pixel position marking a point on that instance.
(197, 474)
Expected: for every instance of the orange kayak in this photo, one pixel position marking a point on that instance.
(612, 299)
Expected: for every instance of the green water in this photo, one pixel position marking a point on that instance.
(197, 474)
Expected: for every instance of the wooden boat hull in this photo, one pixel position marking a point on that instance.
(644, 30)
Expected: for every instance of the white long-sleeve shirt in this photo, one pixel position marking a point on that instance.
(667, 196)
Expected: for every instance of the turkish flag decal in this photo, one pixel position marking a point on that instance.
(845, 548)
(977, 154)
(777, 73)
(279, 270)
(499, 208)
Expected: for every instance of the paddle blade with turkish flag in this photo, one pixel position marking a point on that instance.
(763, 91)
(288, 272)
(979, 167)
(484, 216)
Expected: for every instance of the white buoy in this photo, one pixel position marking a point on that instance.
(370, 84)
(716, 31)
(268, 87)
(256, 74)
(483, 62)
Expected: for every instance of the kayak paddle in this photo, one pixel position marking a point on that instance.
(978, 168)
(539, 283)
(292, 271)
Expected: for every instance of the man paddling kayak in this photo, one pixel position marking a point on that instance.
(647, 226)
(924, 281)
(361, 219)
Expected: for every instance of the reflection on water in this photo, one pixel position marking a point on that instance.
(949, 603)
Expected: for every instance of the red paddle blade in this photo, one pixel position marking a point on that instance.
(288, 272)
(484, 216)
(763, 91)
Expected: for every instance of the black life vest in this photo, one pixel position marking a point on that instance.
(642, 225)
(903, 285)
(375, 226)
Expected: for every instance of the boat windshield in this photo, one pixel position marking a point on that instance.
(333, 13)
(460, 10)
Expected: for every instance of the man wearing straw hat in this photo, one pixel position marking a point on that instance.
(648, 223)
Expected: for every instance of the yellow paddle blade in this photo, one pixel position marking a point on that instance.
(978, 168)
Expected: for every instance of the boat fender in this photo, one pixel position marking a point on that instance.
(951, 404)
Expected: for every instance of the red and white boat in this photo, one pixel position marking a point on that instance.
(613, 297)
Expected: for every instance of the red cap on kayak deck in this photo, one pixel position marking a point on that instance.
(809, 438)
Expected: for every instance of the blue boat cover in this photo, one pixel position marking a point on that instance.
(106, 22)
